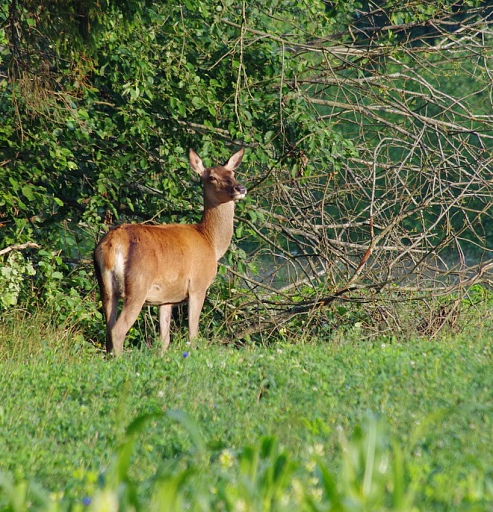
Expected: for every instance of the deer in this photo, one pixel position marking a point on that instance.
(167, 264)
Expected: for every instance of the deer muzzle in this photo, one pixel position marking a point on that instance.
(239, 192)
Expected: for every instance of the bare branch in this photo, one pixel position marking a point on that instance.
(19, 247)
(405, 209)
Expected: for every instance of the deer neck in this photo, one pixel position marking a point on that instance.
(217, 225)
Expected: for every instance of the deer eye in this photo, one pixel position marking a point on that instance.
(212, 178)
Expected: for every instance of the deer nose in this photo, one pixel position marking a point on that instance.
(239, 192)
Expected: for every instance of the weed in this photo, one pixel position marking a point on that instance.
(274, 424)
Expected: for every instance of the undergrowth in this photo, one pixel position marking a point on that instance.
(24, 336)
(343, 423)
(258, 477)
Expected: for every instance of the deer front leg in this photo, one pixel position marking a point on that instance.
(195, 303)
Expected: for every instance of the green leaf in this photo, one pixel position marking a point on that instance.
(197, 102)
(27, 191)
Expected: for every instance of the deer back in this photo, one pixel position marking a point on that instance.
(167, 261)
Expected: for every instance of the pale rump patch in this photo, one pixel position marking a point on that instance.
(119, 271)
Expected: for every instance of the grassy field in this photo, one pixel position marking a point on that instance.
(355, 425)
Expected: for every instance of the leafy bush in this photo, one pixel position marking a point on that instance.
(13, 273)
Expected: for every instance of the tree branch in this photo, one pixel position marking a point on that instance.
(19, 247)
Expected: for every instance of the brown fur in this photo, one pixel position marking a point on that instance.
(167, 264)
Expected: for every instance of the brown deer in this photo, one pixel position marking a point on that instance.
(167, 264)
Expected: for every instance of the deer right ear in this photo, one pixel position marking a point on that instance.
(235, 160)
(196, 162)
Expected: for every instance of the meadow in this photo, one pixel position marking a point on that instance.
(341, 424)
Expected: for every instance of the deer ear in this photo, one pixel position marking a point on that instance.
(196, 162)
(235, 160)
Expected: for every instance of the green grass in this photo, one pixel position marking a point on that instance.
(423, 408)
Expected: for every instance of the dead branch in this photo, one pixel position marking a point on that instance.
(19, 247)
(406, 214)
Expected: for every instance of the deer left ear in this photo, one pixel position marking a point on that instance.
(235, 160)
(196, 162)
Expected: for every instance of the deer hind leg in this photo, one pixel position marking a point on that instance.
(164, 325)
(129, 313)
(109, 299)
(110, 308)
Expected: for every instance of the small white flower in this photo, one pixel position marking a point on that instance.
(226, 458)
(105, 501)
(310, 466)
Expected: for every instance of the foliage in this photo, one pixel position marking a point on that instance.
(13, 272)
(366, 128)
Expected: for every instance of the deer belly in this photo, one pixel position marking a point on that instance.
(160, 293)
